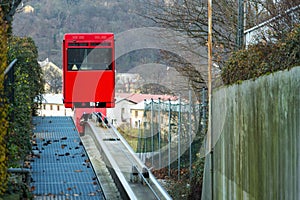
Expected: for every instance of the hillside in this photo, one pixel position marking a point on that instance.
(47, 21)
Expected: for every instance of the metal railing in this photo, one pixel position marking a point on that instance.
(158, 191)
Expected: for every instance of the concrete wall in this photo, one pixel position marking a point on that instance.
(256, 137)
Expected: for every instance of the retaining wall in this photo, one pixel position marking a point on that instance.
(256, 138)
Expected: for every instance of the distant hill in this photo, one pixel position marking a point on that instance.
(47, 21)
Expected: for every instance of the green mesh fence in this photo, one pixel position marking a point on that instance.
(168, 131)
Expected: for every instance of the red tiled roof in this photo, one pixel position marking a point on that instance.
(137, 98)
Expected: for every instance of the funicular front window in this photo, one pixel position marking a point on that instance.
(89, 59)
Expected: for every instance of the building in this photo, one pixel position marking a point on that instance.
(28, 9)
(52, 76)
(52, 105)
(137, 114)
(128, 82)
(120, 114)
(129, 108)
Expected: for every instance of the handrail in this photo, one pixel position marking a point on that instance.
(114, 167)
(10, 66)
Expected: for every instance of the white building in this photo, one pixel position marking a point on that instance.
(129, 108)
(120, 114)
(52, 105)
(137, 114)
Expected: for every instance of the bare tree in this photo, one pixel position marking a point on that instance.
(282, 16)
(190, 16)
(52, 77)
(9, 8)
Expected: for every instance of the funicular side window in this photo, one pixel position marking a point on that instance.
(89, 59)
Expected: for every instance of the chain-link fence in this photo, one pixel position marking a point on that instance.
(171, 132)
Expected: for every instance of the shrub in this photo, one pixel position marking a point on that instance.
(263, 58)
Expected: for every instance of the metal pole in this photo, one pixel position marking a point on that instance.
(179, 134)
(190, 132)
(169, 140)
(204, 109)
(159, 135)
(240, 32)
(139, 148)
(152, 134)
(209, 133)
(145, 136)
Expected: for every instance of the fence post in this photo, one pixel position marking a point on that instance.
(159, 135)
(139, 149)
(169, 139)
(179, 135)
(190, 133)
(152, 134)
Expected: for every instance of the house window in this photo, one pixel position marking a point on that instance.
(57, 107)
(51, 107)
(44, 106)
(136, 124)
(122, 115)
(136, 114)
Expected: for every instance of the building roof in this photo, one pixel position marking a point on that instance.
(53, 99)
(139, 106)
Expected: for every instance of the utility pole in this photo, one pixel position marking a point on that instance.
(209, 132)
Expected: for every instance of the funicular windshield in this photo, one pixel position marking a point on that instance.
(89, 59)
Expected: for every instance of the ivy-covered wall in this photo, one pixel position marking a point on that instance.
(26, 90)
(256, 136)
(3, 106)
(25, 87)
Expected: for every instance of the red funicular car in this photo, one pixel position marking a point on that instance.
(88, 71)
